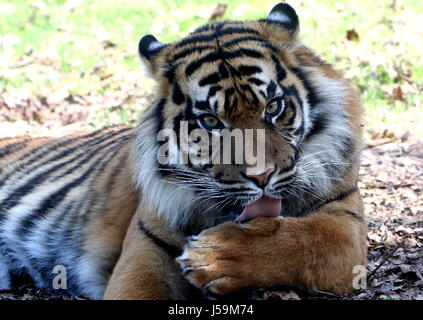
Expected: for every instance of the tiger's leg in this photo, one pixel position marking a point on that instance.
(318, 252)
(145, 270)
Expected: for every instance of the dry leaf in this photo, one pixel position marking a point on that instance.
(352, 35)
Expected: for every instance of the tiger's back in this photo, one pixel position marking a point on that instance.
(65, 202)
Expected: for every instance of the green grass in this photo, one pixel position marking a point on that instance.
(71, 35)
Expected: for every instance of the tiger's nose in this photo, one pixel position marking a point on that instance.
(263, 178)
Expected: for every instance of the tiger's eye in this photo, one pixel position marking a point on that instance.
(211, 121)
(272, 108)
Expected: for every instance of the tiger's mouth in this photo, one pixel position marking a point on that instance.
(264, 207)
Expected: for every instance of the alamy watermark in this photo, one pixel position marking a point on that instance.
(360, 280)
(60, 281)
(216, 147)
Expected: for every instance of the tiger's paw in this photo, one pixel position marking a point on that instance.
(227, 258)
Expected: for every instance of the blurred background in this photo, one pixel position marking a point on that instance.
(72, 64)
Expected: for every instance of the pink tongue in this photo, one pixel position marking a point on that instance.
(264, 207)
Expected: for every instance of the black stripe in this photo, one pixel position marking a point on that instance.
(189, 115)
(84, 144)
(113, 152)
(41, 151)
(90, 155)
(215, 107)
(210, 79)
(199, 38)
(223, 71)
(234, 30)
(213, 90)
(202, 105)
(280, 71)
(264, 43)
(20, 278)
(171, 250)
(221, 55)
(44, 149)
(249, 70)
(312, 96)
(271, 89)
(193, 66)
(16, 195)
(187, 52)
(178, 96)
(340, 196)
(57, 197)
(319, 123)
(234, 71)
(51, 245)
(72, 237)
(158, 114)
(280, 184)
(227, 182)
(293, 90)
(10, 148)
(195, 39)
(240, 53)
(170, 71)
(255, 81)
(42, 156)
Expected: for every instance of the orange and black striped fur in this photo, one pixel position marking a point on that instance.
(126, 227)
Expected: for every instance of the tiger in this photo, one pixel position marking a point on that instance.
(124, 225)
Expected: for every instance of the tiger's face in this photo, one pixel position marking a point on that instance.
(242, 77)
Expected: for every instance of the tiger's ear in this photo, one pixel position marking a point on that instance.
(150, 49)
(284, 15)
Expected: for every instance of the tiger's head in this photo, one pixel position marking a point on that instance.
(256, 79)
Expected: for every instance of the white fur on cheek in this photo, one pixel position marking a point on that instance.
(160, 196)
(324, 149)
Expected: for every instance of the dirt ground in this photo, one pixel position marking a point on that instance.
(391, 184)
